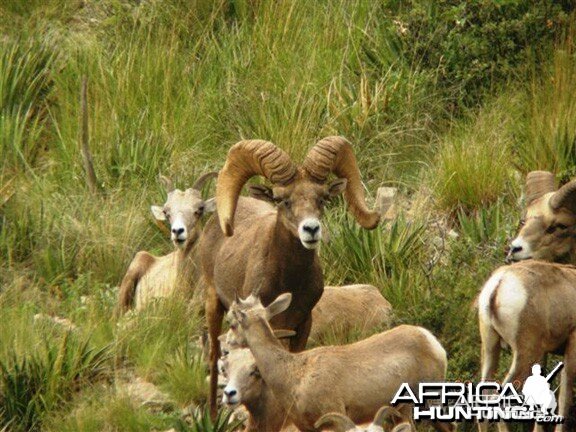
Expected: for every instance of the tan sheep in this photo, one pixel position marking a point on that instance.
(530, 306)
(148, 276)
(355, 379)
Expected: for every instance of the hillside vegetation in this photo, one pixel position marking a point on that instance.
(451, 102)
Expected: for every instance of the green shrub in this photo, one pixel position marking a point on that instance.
(476, 45)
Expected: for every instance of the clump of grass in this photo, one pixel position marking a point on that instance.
(33, 385)
(547, 132)
(158, 333)
(184, 377)
(472, 168)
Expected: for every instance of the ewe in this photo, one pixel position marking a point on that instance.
(149, 276)
(355, 379)
(274, 249)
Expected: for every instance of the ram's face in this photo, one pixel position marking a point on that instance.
(301, 206)
(544, 233)
(183, 210)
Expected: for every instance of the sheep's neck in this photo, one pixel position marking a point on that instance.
(266, 414)
(273, 361)
(285, 244)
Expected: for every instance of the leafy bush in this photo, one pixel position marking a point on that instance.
(476, 45)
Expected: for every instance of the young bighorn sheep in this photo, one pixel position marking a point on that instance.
(355, 379)
(530, 306)
(548, 230)
(149, 276)
(245, 386)
(340, 423)
(339, 310)
(274, 248)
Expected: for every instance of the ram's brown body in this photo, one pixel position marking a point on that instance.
(262, 255)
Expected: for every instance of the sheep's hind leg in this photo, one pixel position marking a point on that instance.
(490, 357)
(214, 316)
(567, 381)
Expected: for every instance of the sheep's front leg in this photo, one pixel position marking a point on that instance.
(214, 316)
(298, 342)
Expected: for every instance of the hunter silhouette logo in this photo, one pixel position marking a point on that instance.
(487, 400)
(537, 392)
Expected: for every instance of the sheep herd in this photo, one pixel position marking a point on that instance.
(258, 264)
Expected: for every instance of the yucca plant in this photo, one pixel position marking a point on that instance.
(184, 376)
(202, 422)
(34, 384)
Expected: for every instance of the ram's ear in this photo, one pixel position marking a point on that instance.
(210, 205)
(158, 212)
(279, 305)
(261, 192)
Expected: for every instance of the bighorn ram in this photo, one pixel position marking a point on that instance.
(274, 250)
(149, 276)
(530, 306)
(340, 423)
(355, 379)
(548, 230)
(339, 310)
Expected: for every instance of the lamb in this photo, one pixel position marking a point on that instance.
(529, 306)
(339, 310)
(340, 423)
(319, 381)
(266, 414)
(274, 249)
(548, 229)
(149, 276)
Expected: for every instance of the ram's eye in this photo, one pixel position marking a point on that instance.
(561, 226)
(255, 373)
(199, 211)
(550, 229)
(287, 203)
(522, 222)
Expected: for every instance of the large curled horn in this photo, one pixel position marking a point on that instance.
(565, 197)
(336, 421)
(538, 183)
(199, 184)
(385, 413)
(335, 154)
(246, 159)
(166, 182)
